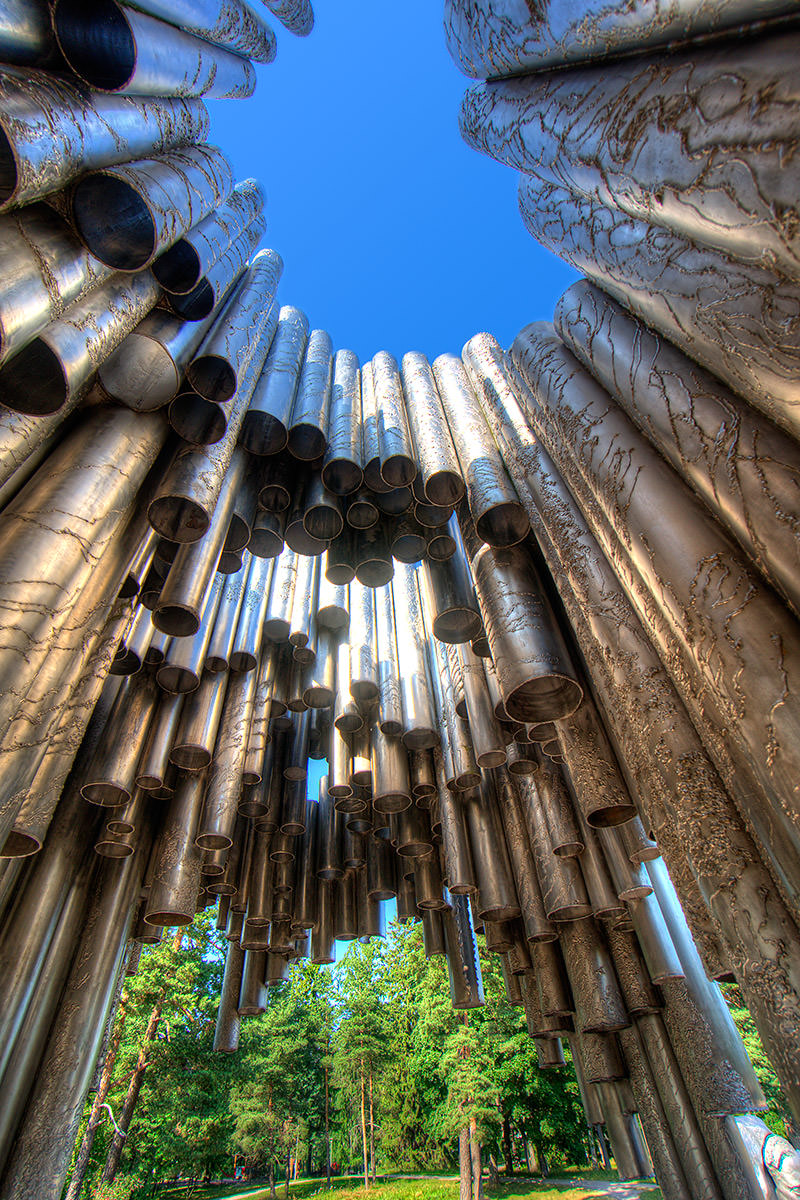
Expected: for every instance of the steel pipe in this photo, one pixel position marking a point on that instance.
(215, 829)
(374, 566)
(499, 517)
(220, 645)
(177, 857)
(391, 784)
(110, 777)
(222, 280)
(342, 470)
(395, 448)
(250, 628)
(497, 897)
(534, 667)
(439, 467)
(182, 267)
(560, 879)
(183, 664)
(322, 935)
(296, 15)
(308, 422)
(390, 699)
(364, 679)
(196, 736)
(419, 719)
(113, 48)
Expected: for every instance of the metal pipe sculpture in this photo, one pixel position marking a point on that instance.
(519, 726)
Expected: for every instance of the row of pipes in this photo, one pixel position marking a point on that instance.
(536, 610)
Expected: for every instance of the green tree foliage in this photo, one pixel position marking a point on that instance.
(380, 1022)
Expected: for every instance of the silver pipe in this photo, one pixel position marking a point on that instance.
(342, 470)
(227, 23)
(308, 422)
(180, 268)
(129, 52)
(440, 472)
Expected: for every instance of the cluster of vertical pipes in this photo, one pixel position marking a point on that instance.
(536, 610)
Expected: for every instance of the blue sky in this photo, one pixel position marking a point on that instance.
(394, 234)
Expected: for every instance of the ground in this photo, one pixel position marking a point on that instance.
(447, 1189)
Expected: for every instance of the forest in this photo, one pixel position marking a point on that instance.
(363, 1067)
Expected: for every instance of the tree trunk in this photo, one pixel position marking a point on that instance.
(475, 1150)
(364, 1129)
(84, 1153)
(542, 1157)
(371, 1129)
(327, 1131)
(288, 1171)
(272, 1191)
(464, 1166)
(137, 1078)
(508, 1150)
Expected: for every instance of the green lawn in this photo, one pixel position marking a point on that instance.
(433, 1189)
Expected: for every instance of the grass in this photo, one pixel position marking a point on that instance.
(438, 1189)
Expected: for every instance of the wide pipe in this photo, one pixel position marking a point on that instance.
(113, 48)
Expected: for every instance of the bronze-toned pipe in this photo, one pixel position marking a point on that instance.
(253, 993)
(224, 630)
(345, 921)
(534, 667)
(551, 786)
(247, 640)
(355, 849)
(599, 1005)
(322, 935)
(538, 928)
(433, 941)
(459, 869)
(485, 733)
(638, 844)
(382, 869)
(413, 832)
(423, 776)
(190, 489)
(391, 783)
(455, 616)
(266, 539)
(599, 886)
(185, 588)
(330, 829)
(364, 685)
(463, 962)
(59, 1091)
(266, 424)
(668, 1166)
(395, 447)
(295, 763)
(226, 1033)
(497, 895)
(259, 736)
(346, 715)
(186, 657)
(177, 857)
(406, 899)
(308, 423)
(630, 881)
(600, 789)
(193, 747)
(560, 879)
(428, 884)
(110, 777)
(342, 470)
(439, 467)
(498, 515)
(49, 270)
(225, 780)
(371, 913)
(419, 719)
(259, 887)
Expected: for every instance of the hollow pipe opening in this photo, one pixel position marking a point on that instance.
(96, 41)
(34, 381)
(197, 420)
(178, 269)
(114, 221)
(9, 171)
(196, 304)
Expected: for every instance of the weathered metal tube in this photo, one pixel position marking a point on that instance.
(381, 868)
(459, 869)
(413, 832)
(145, 371)
(364, 679)
(278, 623)
(113, 48)
(248, 638)
(323, 518)
(487, 739)
(307, 887)
(296, 15)
(374, 566)
(183, 664)
(560, 879)
(322, 935)
(320, 681)
(56, 369)
(47, 269)
(600, 788)
(59, 1092)
(497, 897)
(193, 747)
(599, 1006)
(215, 829)
(233, 26)
(434, 450)
(183, 595)
(239, 340)
(395, 447)
(308, 422)
(160, 198)
(110, 777)
(463, 963)
(221, 643)
(534, 667)
(181, 268)
(538, 927)
(226, 1033)
(455, 615)
(151, 770)
(499, 517)
(177, 858)
(391, 784)
(253, 992)
(342, 470)
(222, 281)
(389, 700)
(266, 423)
(419, 720)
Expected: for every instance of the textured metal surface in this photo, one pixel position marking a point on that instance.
(133, 53)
